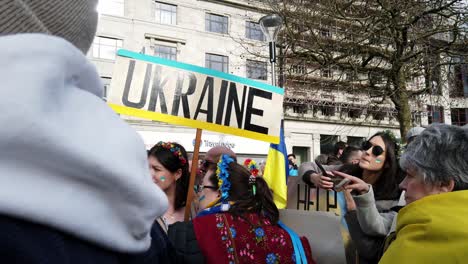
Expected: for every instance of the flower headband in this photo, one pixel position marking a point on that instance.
(223, 176)
(253, 169)
(251, 166)
(174, 149)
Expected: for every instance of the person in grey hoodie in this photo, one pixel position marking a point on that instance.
(74, 179)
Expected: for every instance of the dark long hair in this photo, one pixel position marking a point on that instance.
(386, 186)
(173, 163)
(241, 192)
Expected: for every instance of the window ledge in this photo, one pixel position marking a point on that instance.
(217, 34)
(165, 38)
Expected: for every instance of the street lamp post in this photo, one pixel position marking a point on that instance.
(271, 25)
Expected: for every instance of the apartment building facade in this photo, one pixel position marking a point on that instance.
(224, 35)
(204, 33)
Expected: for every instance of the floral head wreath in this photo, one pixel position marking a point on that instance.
(251, 166)
(174, 149)
(223, 176)
(253, 169)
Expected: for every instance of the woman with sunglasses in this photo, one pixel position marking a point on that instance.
(369, 215)
(169, 170)
(238, 222)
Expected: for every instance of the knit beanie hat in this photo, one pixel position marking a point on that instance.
(415, 131)
(73, 20)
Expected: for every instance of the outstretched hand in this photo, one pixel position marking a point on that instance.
(322, 181)
(355, 184)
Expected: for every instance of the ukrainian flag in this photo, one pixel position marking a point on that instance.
(277, 170)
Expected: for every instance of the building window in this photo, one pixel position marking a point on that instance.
(106, 48)
(298, 26)
(166, 13)
(106, 81)
(217, 62)
(459, 116)
(302, 154)
(327, 144)
(460, 81)
(299, 109)
(165, 52)
(298, 69)
(375, 78)
(253, 31)
(327, 110)
(111, 7)
(354, 113)
(326, 72)
(435, 114)
(355, 141)
(216, 23)
(351, 75)
(325, 33)
(378, 115)
(375, 38)
(256, 70)
(349, 35)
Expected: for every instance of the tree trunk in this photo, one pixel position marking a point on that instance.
(402, 104)
(404, 113)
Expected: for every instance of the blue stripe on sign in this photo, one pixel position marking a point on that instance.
(206, 71)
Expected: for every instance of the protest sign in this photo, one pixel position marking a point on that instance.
(183, 94)
(322, 230)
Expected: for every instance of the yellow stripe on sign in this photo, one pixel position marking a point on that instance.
(192, 123)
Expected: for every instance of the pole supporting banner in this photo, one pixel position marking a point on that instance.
(193, 174)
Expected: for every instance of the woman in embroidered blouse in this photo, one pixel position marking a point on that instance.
(170, 171)
(238, 222)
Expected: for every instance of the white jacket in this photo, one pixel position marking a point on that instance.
(66, 159)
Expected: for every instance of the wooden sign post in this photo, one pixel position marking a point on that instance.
(193, 174)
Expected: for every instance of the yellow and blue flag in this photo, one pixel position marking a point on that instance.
(277, 170)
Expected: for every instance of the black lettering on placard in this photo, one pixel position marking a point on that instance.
(209, 83)
(221, 102)
(254, 111)
(128, 83)
(157, 90)
(233, 99)
(178, 95)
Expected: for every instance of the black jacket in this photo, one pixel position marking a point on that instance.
(182, 236)
(26, 242)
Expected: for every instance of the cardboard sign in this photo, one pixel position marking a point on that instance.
(178, 93)
(322, 229)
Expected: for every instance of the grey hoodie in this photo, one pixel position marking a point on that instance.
(66, 159)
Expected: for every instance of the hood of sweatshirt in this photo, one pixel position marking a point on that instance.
(66, 159)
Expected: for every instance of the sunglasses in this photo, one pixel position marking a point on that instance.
(376, 150)
(199, 188)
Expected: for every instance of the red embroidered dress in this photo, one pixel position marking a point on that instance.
(224, 238)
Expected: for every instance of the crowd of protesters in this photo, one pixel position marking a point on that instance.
(76, 185)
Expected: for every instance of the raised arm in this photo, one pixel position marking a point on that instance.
(310, 174)
(372, 222)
